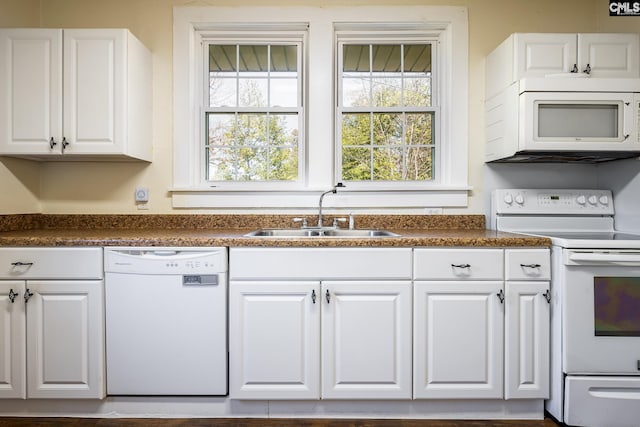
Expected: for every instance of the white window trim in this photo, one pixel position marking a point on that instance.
(453, 189)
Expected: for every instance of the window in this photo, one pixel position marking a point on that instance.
(273, 105)
(386, 111)
(253, 114)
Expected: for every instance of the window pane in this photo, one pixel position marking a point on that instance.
(283, 76)
(386, 75)
(387, 164)
(356, 164)
(419, 164)
(221, 128)
(419, 129)
(356, 69)
(221, 164)
(251, 165)
(417, 75)
(253, 93)
(283, 164)
(222, 75)
(356, 129)
(284, 93)
(283, 130)
(387, 129)
(251, 130)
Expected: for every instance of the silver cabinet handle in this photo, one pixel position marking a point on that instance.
(52, 143)
(313, 296)
(65, 143)
(587, 69)
(328, 296)
(530, 265)
(27, 294)
(12, 296)
(461, 265)
(547, 296)
(501, 296)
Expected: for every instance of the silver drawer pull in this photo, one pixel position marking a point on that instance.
(461, 265)
(530, 265)
(27, 294)
(12, 295)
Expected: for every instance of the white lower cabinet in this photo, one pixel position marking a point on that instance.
(51, 331)
(456, 323)
(476, 335)
(366, 340)
(458, 328)
(274, 346)
(346, 337)
(526, 339)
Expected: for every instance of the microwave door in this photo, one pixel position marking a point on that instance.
(579, 121)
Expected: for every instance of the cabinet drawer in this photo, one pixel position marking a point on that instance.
(51, 263)
(319, 263)
(527, 264)
(458, 264)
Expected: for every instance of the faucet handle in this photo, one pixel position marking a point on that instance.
(302, 220)
(337, 220)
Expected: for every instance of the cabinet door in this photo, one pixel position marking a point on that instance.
(609, 55)
(94, 85)
(540, 54)
(366, 340)
(527, 340)
(12, 340)
(65, 350)
(274, 343)
(458, 345)
(30, 90)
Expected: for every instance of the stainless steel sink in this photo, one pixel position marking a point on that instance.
(319, 232)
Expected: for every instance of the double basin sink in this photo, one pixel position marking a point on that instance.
(320, 232)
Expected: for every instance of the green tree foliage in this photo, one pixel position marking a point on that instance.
(389, 146)
(253, 146)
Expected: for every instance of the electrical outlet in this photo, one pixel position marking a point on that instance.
(142, 194)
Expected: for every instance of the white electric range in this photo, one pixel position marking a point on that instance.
(595, 312)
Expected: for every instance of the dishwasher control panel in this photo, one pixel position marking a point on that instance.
(187, 261)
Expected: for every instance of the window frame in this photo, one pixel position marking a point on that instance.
(266, 36)
(395, 34)
(320, 98)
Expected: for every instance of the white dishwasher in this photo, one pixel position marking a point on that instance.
(166, 321)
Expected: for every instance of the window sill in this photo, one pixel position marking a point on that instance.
(344, 199)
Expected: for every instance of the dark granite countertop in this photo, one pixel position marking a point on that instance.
(229, 230)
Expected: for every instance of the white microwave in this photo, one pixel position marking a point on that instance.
(550, 120)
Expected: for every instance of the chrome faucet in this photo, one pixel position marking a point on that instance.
(334, 191)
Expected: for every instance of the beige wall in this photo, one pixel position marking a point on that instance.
(108, 187)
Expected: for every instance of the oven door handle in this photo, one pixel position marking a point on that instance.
(605, 258)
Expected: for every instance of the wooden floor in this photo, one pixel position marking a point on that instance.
(230, 422)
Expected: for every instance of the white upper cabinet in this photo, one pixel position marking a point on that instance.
(598, 55)
(75, 95)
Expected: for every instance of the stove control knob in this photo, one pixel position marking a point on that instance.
(593, 200)
(582, 200)
(519, 199)
(508, 198)
(604, 200)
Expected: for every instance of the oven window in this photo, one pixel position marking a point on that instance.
(617, 306)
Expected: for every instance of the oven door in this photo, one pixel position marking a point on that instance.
(601, 306)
